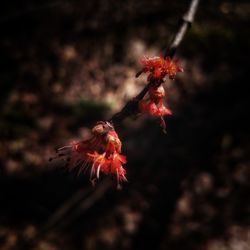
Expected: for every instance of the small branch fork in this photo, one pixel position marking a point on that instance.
(131, 107)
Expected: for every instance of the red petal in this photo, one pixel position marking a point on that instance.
(152, 108)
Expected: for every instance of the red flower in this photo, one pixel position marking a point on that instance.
(171, 67)
(154, 104)
(111, 164)
(158, 68)
(156, 93)
(99, 163)
(101, 152)
(113, 142)
(152, 63)
(149, 107)
(154, 66)
(116, 168)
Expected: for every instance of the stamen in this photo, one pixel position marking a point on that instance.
(98, 171)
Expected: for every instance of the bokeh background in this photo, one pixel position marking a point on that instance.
(67, 64)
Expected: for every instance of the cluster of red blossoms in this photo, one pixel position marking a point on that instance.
(158, 68)
(102, 152)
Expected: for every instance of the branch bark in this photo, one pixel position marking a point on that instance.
(131, 107)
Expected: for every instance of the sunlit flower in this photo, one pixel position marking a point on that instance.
(156, 93)
(116, 168)
(152, 63)
(154, 109)
(113, 142)
(101, 153)
(171, 67)
(109, 165)
(158, 68)
(154, 104)
(99, 163)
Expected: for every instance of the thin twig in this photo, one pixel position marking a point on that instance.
(131, 107)
(186, 23)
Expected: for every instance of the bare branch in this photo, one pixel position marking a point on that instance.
(186, 23)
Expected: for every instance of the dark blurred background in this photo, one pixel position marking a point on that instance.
(66, 65)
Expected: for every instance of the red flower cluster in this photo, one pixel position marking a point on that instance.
(101, 151)
(154, 104)
(158, 68)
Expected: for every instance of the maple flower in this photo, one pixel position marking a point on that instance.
(113, 142)
(152, 63)
(151, 108)
(101, 152)
(159, 67)
(99, 163)
(110, 162)
(171, 67)
(154, 104)
(116, 168)
(109, 165)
